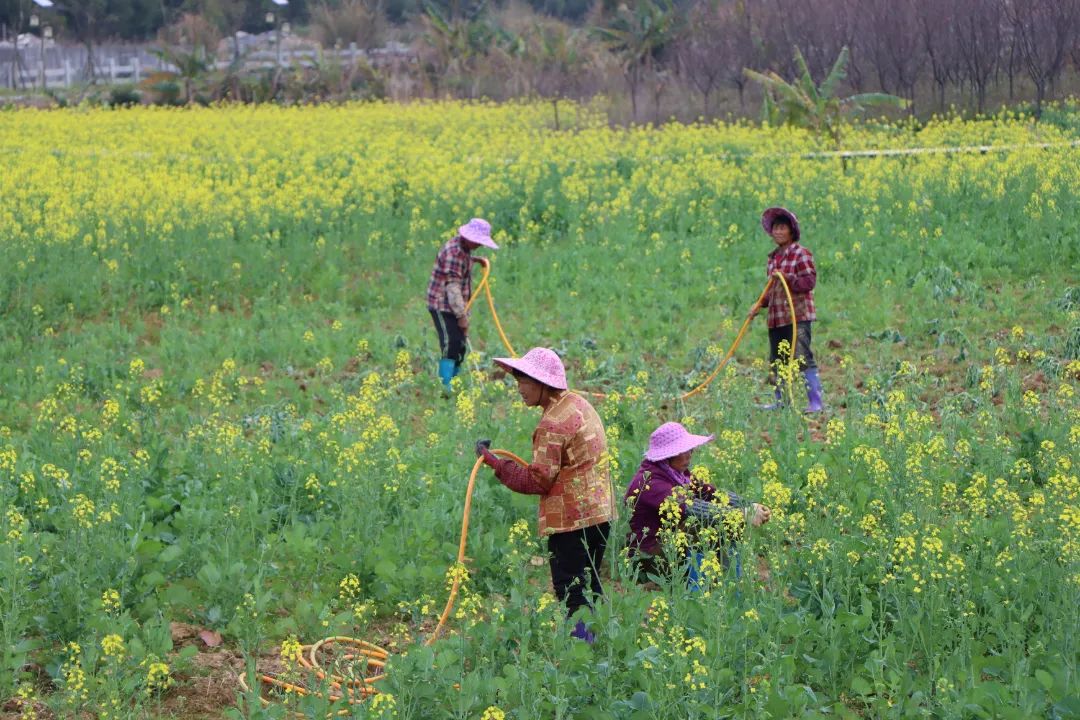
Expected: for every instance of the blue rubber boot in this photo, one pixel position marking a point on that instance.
(813, 391)
(446, 371)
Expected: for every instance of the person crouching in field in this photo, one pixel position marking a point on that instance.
(796, 263)
(664, 498)
(449, 291)
(570, 474)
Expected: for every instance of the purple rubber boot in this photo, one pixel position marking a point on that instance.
(583, 633)
(813, 391)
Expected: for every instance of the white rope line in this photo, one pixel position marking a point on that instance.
(883, 152)
(936, 150)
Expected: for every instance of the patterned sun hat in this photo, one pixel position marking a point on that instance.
(769, 217)
(671, 439)
(479, 232)
(541, 364)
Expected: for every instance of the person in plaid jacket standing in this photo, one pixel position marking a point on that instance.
(449, 291)
(796, 263)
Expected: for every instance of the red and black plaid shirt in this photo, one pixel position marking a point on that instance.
(452, 265)
(797, 265)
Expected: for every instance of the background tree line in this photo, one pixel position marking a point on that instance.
(661, 57)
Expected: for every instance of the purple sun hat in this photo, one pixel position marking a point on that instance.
(671, 439)
(479, 232)
(769, 217)
(541, 364)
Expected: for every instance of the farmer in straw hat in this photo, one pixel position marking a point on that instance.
(664, 474)
(449, 291)
(569, 473)
(796, 263)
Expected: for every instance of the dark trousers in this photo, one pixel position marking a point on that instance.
(575, 564)
(803, 355)
(451, 336)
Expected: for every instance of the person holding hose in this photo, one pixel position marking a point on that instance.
(665, 473)
(570, 474)
(796, 264)
(449, 291)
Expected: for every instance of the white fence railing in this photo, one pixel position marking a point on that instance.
(27, 74)
(68, 75)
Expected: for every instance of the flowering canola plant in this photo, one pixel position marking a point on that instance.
(219, 407)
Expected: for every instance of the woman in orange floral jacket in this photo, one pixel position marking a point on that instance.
(569, 473)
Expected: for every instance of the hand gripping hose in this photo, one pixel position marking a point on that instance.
(348, 668)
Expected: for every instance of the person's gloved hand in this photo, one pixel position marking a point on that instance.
(483, 451)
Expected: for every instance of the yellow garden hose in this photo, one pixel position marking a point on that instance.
(486, 287)
(358, 663)
(743, 329)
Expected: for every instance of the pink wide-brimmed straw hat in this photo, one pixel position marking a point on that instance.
(541, 364)
(479, 232)
(671, 439)
(769, 217)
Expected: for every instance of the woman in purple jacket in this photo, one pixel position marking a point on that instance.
(666, 471)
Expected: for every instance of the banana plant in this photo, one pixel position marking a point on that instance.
(191, 66)
(560, 56)
(815, 107)
(636, 36)
(456, 42)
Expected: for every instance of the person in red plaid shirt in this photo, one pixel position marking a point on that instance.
(449, 291)
(796, 263)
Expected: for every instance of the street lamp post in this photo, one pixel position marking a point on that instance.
(46, 34)
(270, 18)
(35, 22)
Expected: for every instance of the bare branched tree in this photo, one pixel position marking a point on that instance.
(348, 21)
(703, 52)
(891, 37)
(936, 18)
(1045, 32)
(977, 31)
(822, 28)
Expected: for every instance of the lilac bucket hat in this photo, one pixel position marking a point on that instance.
(671, 439)
(479, 232)
(769, 217)
(540, 364)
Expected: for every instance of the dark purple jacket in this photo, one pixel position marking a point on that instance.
(644, 498)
